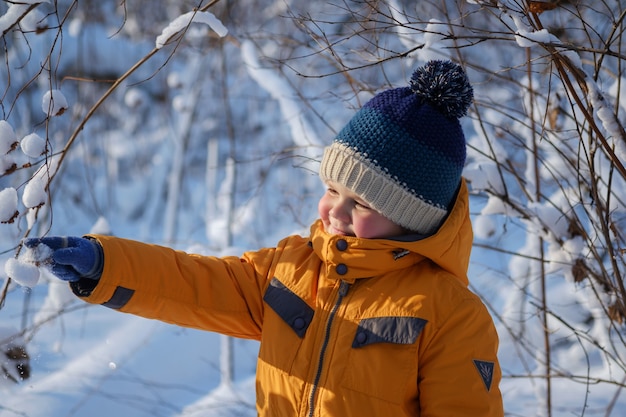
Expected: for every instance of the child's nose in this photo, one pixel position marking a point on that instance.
(341, 212)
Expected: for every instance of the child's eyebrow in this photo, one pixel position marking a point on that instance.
(362, 202)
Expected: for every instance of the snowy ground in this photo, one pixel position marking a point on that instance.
(96, 362)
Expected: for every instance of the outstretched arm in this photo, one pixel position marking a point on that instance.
(209, 293)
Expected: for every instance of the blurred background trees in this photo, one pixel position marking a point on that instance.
(212, 142)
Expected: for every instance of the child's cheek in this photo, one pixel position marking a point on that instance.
(323, 209)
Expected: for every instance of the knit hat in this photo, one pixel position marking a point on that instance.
(403, 152)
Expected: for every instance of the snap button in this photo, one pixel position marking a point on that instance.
(299, 323)
(361, 338)
(342, 244)
(342, 269)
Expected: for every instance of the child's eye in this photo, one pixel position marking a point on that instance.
(331, 191)
(362, 205)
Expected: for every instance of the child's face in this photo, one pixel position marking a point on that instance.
(344, 213)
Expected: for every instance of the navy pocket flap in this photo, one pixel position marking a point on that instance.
(289, 307)
(397, 330)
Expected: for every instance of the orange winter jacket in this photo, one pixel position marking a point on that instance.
(348, 326)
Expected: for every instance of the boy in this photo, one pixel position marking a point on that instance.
(368, 316)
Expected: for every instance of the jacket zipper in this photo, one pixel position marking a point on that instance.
(343, 290)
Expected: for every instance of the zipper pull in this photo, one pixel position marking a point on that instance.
(343, 288)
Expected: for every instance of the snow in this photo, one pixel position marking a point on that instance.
(135, 98)
(7, 137)
(289, 102)
(26, 268)
(8, 204)
(33, 145)
(528, 39)
(166, 176)
(484, 227)
(434, 41)
(181, 22)
(16, 12)
(484, 176)
(54, 103)
(604, 112)
(24, 273)
(35, 193)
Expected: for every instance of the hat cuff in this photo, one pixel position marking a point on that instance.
(349, 168)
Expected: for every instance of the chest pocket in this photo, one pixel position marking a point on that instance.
(291, 320)
(383, 358)
(294, 311)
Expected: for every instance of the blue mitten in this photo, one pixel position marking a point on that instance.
(72, 257)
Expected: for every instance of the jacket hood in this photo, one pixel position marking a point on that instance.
(349, 258)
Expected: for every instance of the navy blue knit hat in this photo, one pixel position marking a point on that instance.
(404, 151)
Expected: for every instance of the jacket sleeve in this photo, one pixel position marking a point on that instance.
(224, 295)
(459, 369)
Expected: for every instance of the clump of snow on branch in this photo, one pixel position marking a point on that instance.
(54, 103)
(6, 163)
(181, 22)
(34, 21)
(429, 46)
(484, 226)
(35, 192)
(485, 176)
(24, 273)
(135, 98)
(8, 204)
(527, 39)
(33, 145)
(16, 12)
(607, 117)
(603, 110)
(8, 138)
(24, 269)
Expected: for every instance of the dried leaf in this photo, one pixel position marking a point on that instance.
(574, 228)
(18, 363)
(540, 6)
(579, 271)
(616, 313)
(553, 118)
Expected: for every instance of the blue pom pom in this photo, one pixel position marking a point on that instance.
(444, 85)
